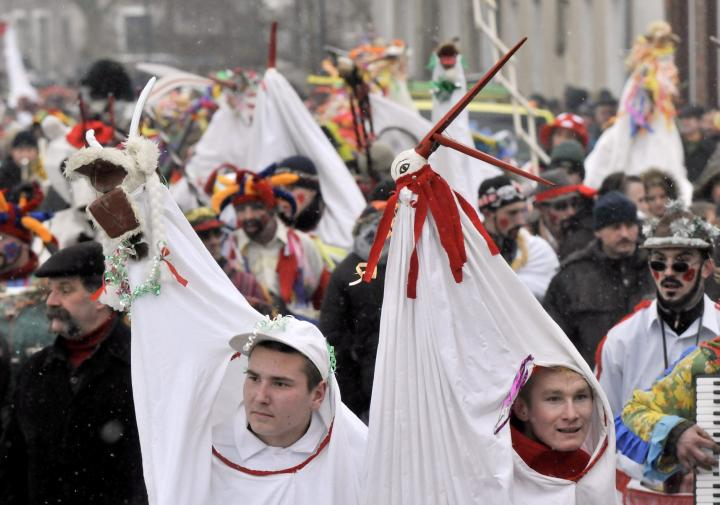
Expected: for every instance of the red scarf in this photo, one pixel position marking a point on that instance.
(81, 349)
(435, 196)
(287, 266)
(569, 465)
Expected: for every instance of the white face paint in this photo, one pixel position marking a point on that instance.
(407, 162)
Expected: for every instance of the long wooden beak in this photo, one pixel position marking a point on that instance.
(471, 151)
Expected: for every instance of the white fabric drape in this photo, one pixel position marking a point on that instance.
(445, 362)
(282, 126)
(224, 141)
(618, 151)
(184, 382)
(18, 81)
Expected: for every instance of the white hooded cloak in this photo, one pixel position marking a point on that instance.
(446, 361)
(185, 385)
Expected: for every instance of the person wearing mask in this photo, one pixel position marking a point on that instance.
(637, 350)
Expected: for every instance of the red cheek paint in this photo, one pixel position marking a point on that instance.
(656, 275)
(689, 275)
(300, 198)
(503, 222)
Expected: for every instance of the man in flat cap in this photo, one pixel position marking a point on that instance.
(71, 435)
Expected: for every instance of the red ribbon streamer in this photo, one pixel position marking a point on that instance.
(436, 196)
(98, 293)
(265, 473)
(166, 252)
(583, 190)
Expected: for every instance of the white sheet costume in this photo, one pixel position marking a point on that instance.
(186, 389)
(461, 171)
(447, 360)
(281, 127)
(644, 135)
(184, 384)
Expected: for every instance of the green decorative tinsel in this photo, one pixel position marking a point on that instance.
(443, 89)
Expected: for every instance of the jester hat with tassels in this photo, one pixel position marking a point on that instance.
(21, 221)
(411, 170)
(228, 184)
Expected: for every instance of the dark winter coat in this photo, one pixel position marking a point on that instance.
(577, 231)
(697, 155)
(350, 320)
(72, 436)
(591, 293)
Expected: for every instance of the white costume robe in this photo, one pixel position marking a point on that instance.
(282, 127)
(539, 263)
(617, 150)
(185, 385)
(446, 361)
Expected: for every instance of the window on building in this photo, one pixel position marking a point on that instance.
(137, 33)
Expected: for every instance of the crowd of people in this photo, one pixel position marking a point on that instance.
(624, 264)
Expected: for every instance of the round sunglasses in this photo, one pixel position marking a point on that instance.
(679, 267)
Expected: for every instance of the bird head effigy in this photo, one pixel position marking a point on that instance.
(411, 170)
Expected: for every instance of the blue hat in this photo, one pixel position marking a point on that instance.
(613, 207)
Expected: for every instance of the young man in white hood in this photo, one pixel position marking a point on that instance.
(284, 440)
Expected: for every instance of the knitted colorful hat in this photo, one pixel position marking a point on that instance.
(21, 222)
(228, 184)
(204, 219)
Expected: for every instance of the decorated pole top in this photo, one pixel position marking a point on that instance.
(413, 160)
(411, 170)
(272, 49)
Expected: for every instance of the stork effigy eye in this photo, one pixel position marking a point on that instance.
(404, 167)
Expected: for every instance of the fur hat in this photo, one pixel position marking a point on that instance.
(108, 77)
(679, 228)
(299, 165)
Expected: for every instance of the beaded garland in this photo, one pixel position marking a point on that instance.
(116, 275)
